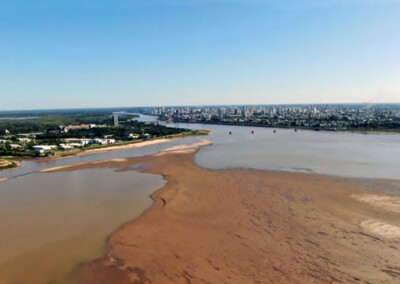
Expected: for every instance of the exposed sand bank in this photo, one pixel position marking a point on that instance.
(248, 226)
(94, 151)
(8, 165)
(76, 166)
(143, 143)
(389, 203)
(185, 148)
(180, 149)
(381, 229)
(127, 146)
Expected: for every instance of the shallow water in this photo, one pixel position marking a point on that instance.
(51, 222)
(332, 153)
(30, 166)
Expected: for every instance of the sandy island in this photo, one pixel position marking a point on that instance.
(250, 226)
(126, 146)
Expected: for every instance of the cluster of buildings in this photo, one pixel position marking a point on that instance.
(70, 143)
(66, 128)
(12, 145)
(22, 139)
(66, 137)
(19, 140)
(329, 117)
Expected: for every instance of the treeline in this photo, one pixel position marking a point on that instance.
(48, 123)
(24, 151)
(120, 132)
(46, 126)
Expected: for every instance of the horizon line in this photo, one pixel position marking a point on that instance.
(202, 105)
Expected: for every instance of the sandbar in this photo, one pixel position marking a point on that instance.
(248, 226)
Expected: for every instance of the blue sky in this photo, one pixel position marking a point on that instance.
(98, 53)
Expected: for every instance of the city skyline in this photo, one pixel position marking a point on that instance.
(90, 54)
(118, 108)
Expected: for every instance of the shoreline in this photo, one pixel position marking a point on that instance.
(105, 149)
(208, 209)
(356, 131)
(108, 148)
(179, 149)
(125, 145)
(12, 164)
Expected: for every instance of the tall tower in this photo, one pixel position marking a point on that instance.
(116, 121)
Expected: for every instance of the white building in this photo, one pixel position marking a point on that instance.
(146, 135)
(103, 141)
(66, 146)
(40, 149)
(77, 142)
(15, 146)
(132, 136)
(24, 140)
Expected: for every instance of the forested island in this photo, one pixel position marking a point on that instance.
(28, 134)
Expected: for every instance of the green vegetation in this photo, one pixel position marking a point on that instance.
(200, 132)
(44, 122)
(25, 150)
(374, 131)
(20, 133)
(6, 164)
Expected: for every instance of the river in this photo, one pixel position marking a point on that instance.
(51, 222)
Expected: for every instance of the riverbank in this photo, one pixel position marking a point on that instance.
(250, 226)
(113, 147)
(352, 130)
(130, 145)
(125, 145)
(7, 165)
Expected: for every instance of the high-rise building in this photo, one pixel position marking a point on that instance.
(116, 120)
